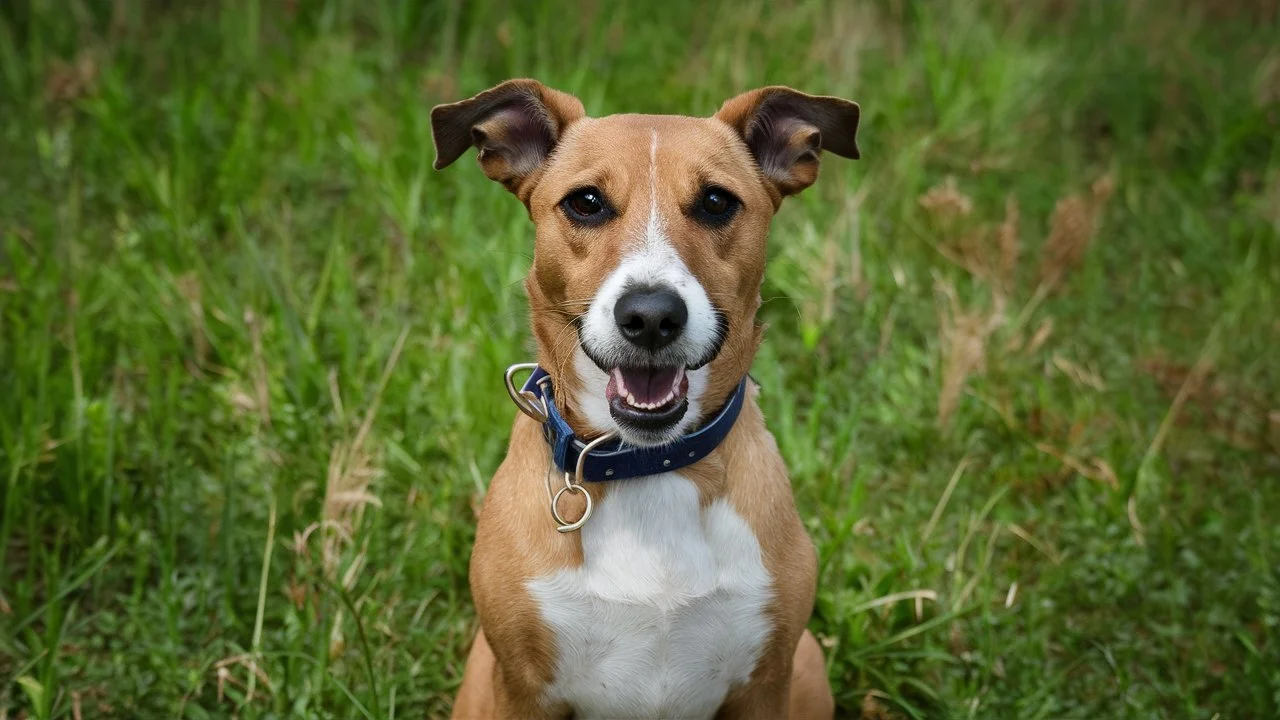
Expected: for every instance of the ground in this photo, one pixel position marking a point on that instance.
(1020, 358)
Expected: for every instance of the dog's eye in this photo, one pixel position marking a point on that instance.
(715, 207)
(585, 203)
(586, 206)
(715, 203)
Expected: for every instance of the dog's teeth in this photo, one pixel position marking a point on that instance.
(630, 399)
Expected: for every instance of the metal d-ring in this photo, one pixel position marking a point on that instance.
(574, 485)
(526, 401)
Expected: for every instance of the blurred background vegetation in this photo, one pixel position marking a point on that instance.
(1021, 357)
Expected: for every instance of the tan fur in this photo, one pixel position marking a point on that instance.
(760, 160)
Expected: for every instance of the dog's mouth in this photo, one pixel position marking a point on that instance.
(648, 398)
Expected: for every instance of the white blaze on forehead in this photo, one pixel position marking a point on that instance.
(649, 261)
(653, 230)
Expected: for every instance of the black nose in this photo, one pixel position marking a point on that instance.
(650, 317)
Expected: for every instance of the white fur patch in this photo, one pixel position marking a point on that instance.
(667, 612)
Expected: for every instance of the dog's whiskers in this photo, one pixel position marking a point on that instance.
(569, 330)
(580, 301)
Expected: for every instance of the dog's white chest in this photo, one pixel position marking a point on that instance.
(667, 612)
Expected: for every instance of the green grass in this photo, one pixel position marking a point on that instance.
(218, 220)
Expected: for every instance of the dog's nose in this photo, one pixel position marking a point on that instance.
(650, 317)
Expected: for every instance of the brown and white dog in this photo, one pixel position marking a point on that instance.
(685, 594)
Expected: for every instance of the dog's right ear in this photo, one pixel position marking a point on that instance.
(514, 125)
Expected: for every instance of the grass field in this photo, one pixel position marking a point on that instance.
(1021, 358)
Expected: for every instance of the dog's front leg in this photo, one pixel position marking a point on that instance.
(512, 701)
(760, 701)
(793, 687)
(486, 695)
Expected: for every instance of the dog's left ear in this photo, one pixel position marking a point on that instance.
(514, 125)
(787, 130)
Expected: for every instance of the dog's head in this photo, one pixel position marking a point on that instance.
(650, 238)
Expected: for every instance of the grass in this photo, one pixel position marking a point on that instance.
(1021, 358)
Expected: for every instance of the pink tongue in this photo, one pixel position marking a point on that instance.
(649, 386)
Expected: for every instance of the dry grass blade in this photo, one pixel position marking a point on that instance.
(963, 334)
(67, 82)
(963, 355)
(351, 470)
(988, 252)
(1008, 244)
(1070, 233)
(982, 568)
(1079, 375)
(255, 652)
(222, 671)
(1139, 532)
(261, 383)
(949, 210)
(1011, 595)
(942, 502)
(1048, 551)
(1096, 469)
(1074, 224)
(1041, 334)
(945, 202)
(1190, 386)
(847, 29)
(892, 598)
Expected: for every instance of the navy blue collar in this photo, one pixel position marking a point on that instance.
(616, 461)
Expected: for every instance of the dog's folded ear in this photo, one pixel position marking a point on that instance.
(787, 130)
(514, 125)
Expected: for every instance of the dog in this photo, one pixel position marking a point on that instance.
(681, 580)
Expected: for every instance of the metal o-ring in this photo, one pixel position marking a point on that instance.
(565, 526)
